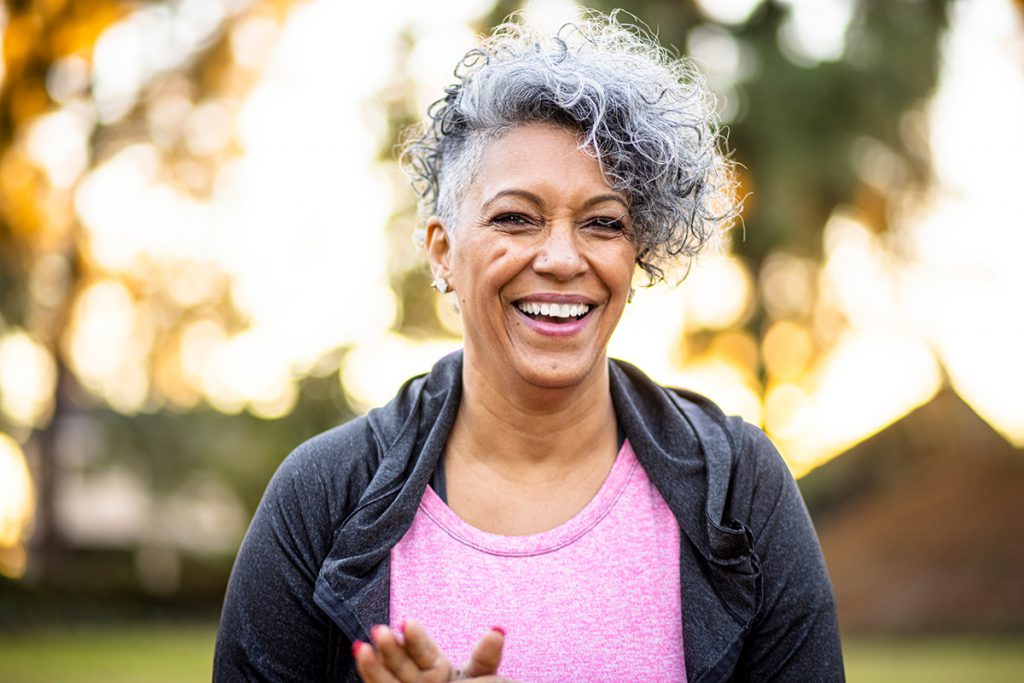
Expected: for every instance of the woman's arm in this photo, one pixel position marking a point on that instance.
(270, 628)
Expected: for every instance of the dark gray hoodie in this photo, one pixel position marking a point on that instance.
(313, 572)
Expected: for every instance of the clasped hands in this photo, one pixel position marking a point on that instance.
(411, 656)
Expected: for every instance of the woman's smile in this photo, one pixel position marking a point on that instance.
(556, 315)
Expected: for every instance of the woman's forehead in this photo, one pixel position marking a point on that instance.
(535, 161)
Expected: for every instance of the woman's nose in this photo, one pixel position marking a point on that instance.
(559, 254)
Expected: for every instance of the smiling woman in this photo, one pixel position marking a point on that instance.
(615, 529)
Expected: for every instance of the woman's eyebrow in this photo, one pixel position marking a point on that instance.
(536, 199)
(601, 198)
(528, 196)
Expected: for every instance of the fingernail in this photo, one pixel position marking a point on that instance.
(355, 648)
(401, 627)
(375, 632)
(499, 629)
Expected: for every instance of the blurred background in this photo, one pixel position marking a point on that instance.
(205, 258)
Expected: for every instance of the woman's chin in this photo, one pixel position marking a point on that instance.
(556, 373)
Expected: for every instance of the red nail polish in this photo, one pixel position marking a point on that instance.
(375, 633)
(401, 627)
(355, 648)
(499, 629)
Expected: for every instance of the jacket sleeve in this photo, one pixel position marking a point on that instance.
(270, 629)
(795, 635)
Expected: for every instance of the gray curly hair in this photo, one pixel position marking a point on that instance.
(646, 116)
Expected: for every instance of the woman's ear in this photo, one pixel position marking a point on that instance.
(439, 248)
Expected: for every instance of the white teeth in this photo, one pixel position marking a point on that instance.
(553, 310)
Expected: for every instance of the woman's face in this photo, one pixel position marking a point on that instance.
(540, 259)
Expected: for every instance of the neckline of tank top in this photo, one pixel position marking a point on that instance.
(541, 542)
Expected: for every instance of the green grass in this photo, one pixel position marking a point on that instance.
(180, 654)
(143, 653)
(940, 659)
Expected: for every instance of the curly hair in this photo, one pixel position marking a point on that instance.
(646, 115)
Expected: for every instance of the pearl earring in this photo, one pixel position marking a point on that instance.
(440, 285)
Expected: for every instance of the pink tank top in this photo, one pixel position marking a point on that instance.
(594, 599)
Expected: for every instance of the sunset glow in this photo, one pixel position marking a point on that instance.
(311, 239)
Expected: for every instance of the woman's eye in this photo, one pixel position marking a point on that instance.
(511, 219)
(608, 224)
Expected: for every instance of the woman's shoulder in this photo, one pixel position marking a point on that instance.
(754, 459)
(325, 473)
(702, 412)
(757, 457)
(336, 448)
(738, 456)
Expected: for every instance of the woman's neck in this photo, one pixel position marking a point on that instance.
(508, 424)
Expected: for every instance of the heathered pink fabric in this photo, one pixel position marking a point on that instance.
(595, 599)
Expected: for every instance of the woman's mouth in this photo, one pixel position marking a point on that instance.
(553, 312)
(555, 318)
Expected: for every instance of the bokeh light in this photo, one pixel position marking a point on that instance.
(371, 373)
(17, 503)
(815, 30)
(728, 11)
(28, 379)
(110, 338)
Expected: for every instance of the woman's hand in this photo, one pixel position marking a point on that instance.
(417, 659)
